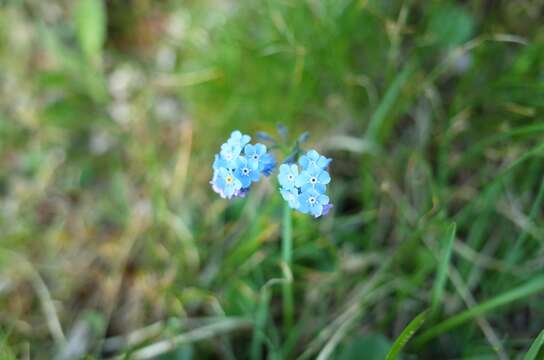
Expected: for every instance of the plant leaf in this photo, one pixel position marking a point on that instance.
(529, 288)
(90, 23)
(533, 351)
(406, 335)
(442, 273)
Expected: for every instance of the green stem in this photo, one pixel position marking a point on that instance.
(287, 254)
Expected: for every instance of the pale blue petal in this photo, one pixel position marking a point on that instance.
(323, 199)
(324, 178)
(317, 210)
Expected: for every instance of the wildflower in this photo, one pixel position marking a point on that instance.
(312, 159)
(314, 178)
(225, 183)
(313, 202)
(229, 154)
(287, 176)
(254, 153)
(235, 170)
(238, 139)
(305, 190)
(246, 172)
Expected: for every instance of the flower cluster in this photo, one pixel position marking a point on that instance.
(305, 190)
(239, 164)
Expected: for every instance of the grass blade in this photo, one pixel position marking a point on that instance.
(378, 119)
(523, 291)
(90, 22)
(259, 331)
(514, 255)
(535, 347)
(442, 273)
(406, 335)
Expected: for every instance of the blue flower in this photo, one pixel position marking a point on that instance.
(234, 172)
(268, 163)
(225, 183)
(229, 154)
(312, 159)
(312, 202)
(305, 190)
(254, 153)
(239, 139)
(220, 162)
(288, 175)
(291, 196)
(314, 178)
(246, 172)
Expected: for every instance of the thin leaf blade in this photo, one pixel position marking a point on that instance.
(533, 351)
(90, 23)
(529, 288)
(442, 273)
(406, 335)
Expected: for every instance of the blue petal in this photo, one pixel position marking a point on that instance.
(255, 175)
(304, 162)
(302, 179)
(324, 178)
(319, 188)
(260, 148)
(323, 199)
(244, 179)
(303, 207)
(323, 162)
(313, 155)
(282, 178)
(317, 210)
(249, 149)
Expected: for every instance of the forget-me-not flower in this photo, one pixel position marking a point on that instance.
(247, 172)
(287, 176)
(312, 159)
(234, 170)
(312, 202)
(238, 139)
(313, 178)
(225, 183)
(254, 153)
(305, 190)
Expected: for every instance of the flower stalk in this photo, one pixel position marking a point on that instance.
(287, 255)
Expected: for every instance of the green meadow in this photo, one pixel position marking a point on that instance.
(113, 244)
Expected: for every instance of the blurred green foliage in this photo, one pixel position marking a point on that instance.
(113, 243)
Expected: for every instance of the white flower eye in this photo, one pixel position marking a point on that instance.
(290, 177)
(313, 180)
(311, 200)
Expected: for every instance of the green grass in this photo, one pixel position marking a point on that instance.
(406, 335)
(112, 242)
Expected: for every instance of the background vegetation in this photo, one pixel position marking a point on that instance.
(112, 242)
